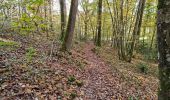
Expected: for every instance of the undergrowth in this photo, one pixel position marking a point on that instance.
(10, 43)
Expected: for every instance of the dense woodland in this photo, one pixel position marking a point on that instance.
(84, 49)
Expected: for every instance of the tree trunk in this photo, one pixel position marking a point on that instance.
(99, 22)
(46, 19)
(136, 31)
(51, 14)
(163, 33)
(86, 27)
(71, 24)
(152, 39)
(63, 18)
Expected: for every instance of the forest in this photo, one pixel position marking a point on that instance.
(84, 49)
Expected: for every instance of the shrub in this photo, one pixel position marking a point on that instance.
(73, 95)
(133, 98)
(2, 43)
(143, 67)
(95, 50)
(79, 83)
(149, 53)
(71, 79)
(31, 52)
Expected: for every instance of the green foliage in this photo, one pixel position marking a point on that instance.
(36, 2)
(80, 64)
(73, 95)
(79, 83)
(2, 44)
(71, 79)
(31, 52)
(143, 67)
(95, 50)
(149, 53)
(133, 98)
(24, 25)
(30, 21)
(59, 98)
(152, 55)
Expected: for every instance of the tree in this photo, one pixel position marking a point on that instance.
(50, 13)
(85, 6)
(136, 30)
(163, 34)
(70, 27)
(99, 22)
(63, 13)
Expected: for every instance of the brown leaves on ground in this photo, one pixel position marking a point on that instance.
(80, 74)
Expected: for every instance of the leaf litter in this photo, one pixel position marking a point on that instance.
(81, 74)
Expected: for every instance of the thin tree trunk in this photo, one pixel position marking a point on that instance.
(99, 22)
(51, 14)
(136, 31)
(152, 39)
(63, 13)
(46, 19)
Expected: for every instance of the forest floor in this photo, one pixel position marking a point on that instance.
(37, 70)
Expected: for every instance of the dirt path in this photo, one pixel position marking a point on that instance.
(100, 81)
(103, 82)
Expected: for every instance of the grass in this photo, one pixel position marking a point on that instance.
(9, 43)
(31, 52)
(143, 67)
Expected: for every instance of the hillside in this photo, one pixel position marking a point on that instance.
(38, 70)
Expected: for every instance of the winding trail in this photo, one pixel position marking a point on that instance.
(101, 81)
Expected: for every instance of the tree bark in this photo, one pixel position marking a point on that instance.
(163, 36)
(99, 22)
(71, 24)
(51, 14)
(136, 31)
(63, 13)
